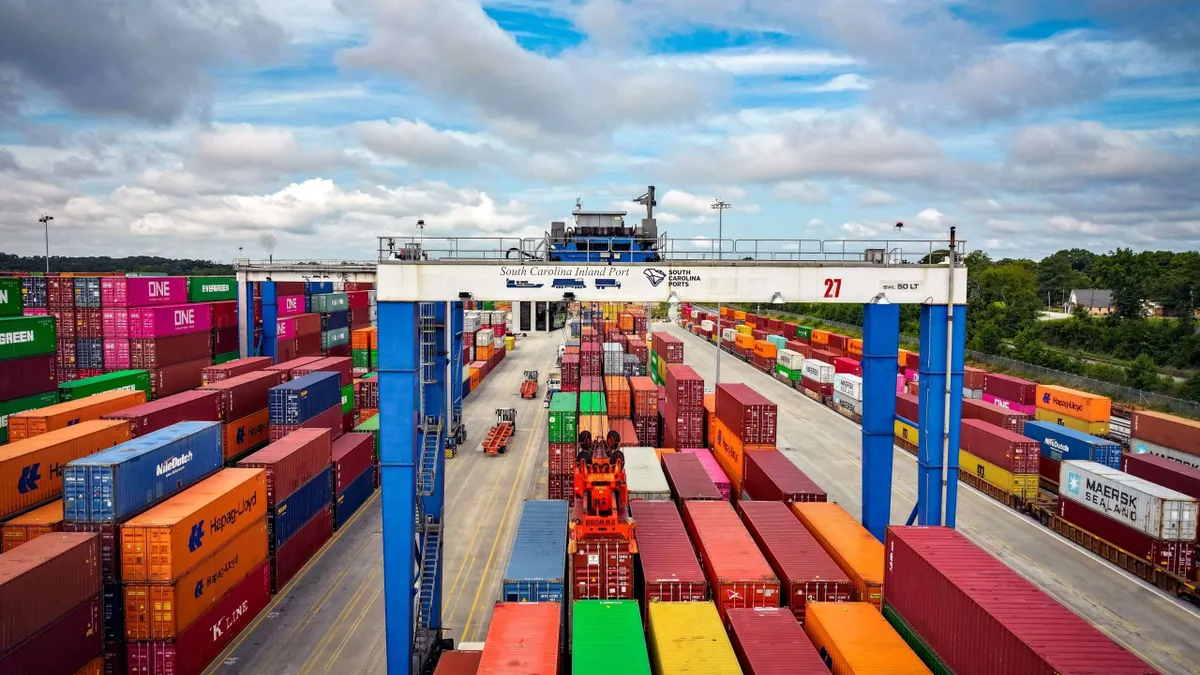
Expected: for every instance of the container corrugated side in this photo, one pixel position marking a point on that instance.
(245, 394)
(668, 567)
(536, 569)
(31, 470)
(1156, 511)
(688, 479)
(737, 571)
(852, 547)
(607, 637)
(855, 639)
(347, 502)
(1161, 471)
(523, 639)
(1167, 430)
(31, 525)
(770, 642)
(171, 538)
(22, 336)
(292, 461)
(115, 483)
(644, 475)
(458, 662)
(60, 416)
(287, 517)
(23, 404)
(352, 454)
(188, 406)
(748, 414)
(685, 638)
(291, 557)
(1060, 443)
(64, 646)
(771, 476)
(945, 588)
(43, 580)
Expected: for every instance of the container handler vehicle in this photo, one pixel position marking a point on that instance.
(602, 533)
(530, 386)
(496, 440)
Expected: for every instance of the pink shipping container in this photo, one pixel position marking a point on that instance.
(115, 322)
(234, 368)
(289, 305)
(245, 394)
(291, 462)
(165, 351)
(116, 353)
(771, 476)
(299, 324)
(287, 366)
(737, 572)
(945, 588)
(197, 406)
(713, 469)
(65, 646)
(44, 579)
(299, 547)
(341, 365)
(178, 377)
(908, 406)
(751, 417)
(845, 364)
(993, 414)
(668, 569)
(1029, 410)
(770, 642)
(352, 454)
(142, 291)
(330, 419)
(806, 572)
(195, 648)
(1011, 388)
(688, 479)
(35, 311)
(1007, 450)
(152, 322)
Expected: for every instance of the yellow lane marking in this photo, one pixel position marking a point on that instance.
(337, 623)
(353, 628)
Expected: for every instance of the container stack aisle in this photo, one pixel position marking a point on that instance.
(28, 370)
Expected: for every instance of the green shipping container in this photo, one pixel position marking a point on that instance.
(361, 358)
(488, 305)
(654, 368)
(607, 637)
(225, 358)
(12, 300)
(918, 645)
(374, 358)
(22, 336)
(592, 403)
(326, 303)
(348, 399)
(335, 337)
(211, 289)
(804, 332)
(563, 420)
(20, 405)
(370, 426)
(120, 380)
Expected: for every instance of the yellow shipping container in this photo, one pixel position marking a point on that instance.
(855, 639)
(1024, 485)
(906, 432)
(687, 638)
(1080, 405)
(510, 343)
(852, 547)
(1093, 428)
(744, 329)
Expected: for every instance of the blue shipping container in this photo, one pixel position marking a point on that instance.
(114, 609)
(351, 499)
(113, 484)
(1060, 443)
(287, 518)
(537, 565)
(304, 398)
(335, 320)
(316, 287)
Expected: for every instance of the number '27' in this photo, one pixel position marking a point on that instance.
(833, 288)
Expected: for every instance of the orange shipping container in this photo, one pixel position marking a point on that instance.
(902, 358)
(739, 315)
(32, 525)
(363, 338)
(616, 389)
(662, 451)
(94, 667)
(820, 337)
(731, 453)
(855, 639)
(764, 349)
(596, 424)
(161, 611)
(859, 554)
(31, 470)
(854, 348)
(483, 353)
(476, 378)
(165, 542)
(37, 422)
(247, 433)
(710, 419)
(1074, 403)
(744, 341)
(626, 322)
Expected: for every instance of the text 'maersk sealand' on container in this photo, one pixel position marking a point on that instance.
(1151, 509)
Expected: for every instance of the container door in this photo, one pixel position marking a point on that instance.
(540, 316)
(526, 310)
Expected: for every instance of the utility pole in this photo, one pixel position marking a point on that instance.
(45, 220)
(719, 206)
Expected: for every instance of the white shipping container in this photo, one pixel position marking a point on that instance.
(842, 401)
(1151, 509)
(707, 325)
(1140, 447)
(644, 475)
(849, 386)
(976, 394)
(818, 371)
(499, 318)
(790, 359)
(471, 321)
(484, 337)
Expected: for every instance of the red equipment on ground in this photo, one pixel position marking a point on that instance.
(496, 441)
(603, 545)
(530, 386)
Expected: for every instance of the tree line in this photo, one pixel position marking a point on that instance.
(139, 264)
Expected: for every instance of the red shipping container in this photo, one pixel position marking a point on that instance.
(524, 638)
(688, 479)
(287, 366)
(42, 580)
(224, 314)
(292, 461)
(1166, 430)
(845, 364)
(644, 393)
(625, 429)
(65, 646)
(360, 317)
(561, 459)
(341, 365)
(647, 431)
(176, 378)
(974, 409)
(973, 378)
(771, 476)
(751, 416)
(684, 428)
(669, 570)
(300, 547)
(225, 340)
(352, 454)
(1012, 452)
(602, 569)
(289, 288)
(89, 322)
(1009, 388)
(245, 394)
(303, 346)
(64, 319)
(60, 291)
(110, 562)
(805, 571)
(908, 406)
(763, 363)
(737, 572)
(1049, 469)
(199, 406)
(208, 636)
(825, 355)
(561, 486)
(455, 662)
(1177, 557)
(770, 642)
(822, 389)
(65, 356)
(28, 376)
(330, 418)
(358, 299)
(912, 360)
(959, 599)
(234, 368)
(1162, 471)
(796, 345)
(668, 347)
(685, 388)
(758, 334)
(165, 351)
(837, 341)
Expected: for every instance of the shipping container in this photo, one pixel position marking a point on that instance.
(713, 468)
(645, 397)
(1009, 451)
(197, 645)
(1072, 403)
(1023, 484)
(97, 666)
(668, 568)
(523, 639)
(287, 516)
(188, 406)
(166, 541)
(562, 421)
(944, 589)
(607, 637)
(44, 580)
(770, 642)
(748, 414)
(303, 398)
(1156, 511)
(12, 298)
(65, 646)
(352, 454)
(113, 484)
(178, 377)
(852, 547)
(685, 638)
(1161, 471)
(730, 451)
(854, 639)
(292, 461)
(24, 336)
(155, 322)
(347, 502)
(537, 563)
(31, 525)
(458, 662)
(1166, 430)
(1176, 557)
(685, 388)
(28, 376)
(245, 434)
(771, 476)
(238, 366)
(31, 471)
(62, 415)
(242, 395)
(1059, 443)
(141, 291)
(1010, 388)
(288, 366)
(121, 379)
(1012, 420)
(805, 571)
(160, 352)
(688, 479)
(292, 556)
(23, 404)
(644, 475)
(736, 570)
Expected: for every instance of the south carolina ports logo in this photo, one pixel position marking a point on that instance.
(655, 276)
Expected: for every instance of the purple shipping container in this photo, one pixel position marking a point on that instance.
(330, 419)
(713, 469)
(190, 406)
(116, 353)
(65, 646)
(43, 580)
(178, 377)
(1010, 388)
(245, 394)
(748, 414)
(771, 476)
(688, 479)
(290, 305)
(28, 376)
(142, 291)
(152, 322)
(300, 547)
(166, 351)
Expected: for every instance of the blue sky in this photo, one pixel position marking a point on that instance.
(308, 127)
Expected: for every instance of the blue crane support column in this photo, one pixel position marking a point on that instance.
(398, 381)
(456, 371)
(932, 423)
(270, 310)
(881, 343)
(958, 337)
(436, 388)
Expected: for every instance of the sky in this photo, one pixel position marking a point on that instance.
(307, 128)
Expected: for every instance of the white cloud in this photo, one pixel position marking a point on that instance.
(759, 62)
(847, 82)
(874, 197)
(803, 191)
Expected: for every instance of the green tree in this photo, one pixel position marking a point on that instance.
(977, 261)
(1142, 374)
(1190, 388)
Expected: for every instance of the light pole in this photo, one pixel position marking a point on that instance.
(45, 220)
(719, 206)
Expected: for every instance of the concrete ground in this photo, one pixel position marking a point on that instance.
(828, 447)
(331, 619)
